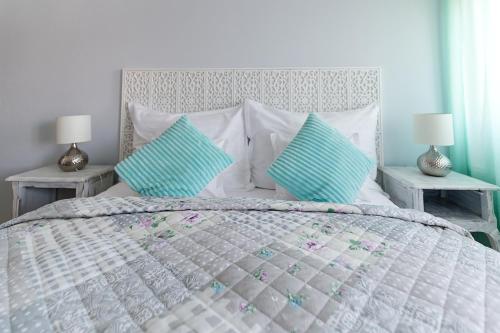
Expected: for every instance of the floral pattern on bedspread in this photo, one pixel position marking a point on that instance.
(215, 265)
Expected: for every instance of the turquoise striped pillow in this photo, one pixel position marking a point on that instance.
(320, 164)
(179, 163)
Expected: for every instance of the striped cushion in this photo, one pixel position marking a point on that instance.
(179, 163)
(320, 164)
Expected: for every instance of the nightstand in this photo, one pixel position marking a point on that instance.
(85, 183)
(460, 199)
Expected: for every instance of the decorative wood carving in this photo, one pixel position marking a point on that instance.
(297, 90)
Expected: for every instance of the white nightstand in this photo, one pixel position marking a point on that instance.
(460, 199)
(87, 182)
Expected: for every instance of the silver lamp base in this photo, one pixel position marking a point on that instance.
(73, 159)
(433, 163)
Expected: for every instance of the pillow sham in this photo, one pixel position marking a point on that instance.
(179, 163)
(262, 120)
(320, 164)
(224, 125)
(215, 188)
(370, 192)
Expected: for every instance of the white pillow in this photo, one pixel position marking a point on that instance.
(224, 126)
(262, 120)
(370, 193)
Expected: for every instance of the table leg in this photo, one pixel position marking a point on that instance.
(18, 198)
(494, 239)
(418, 199)
(487, 211)
(82, 190)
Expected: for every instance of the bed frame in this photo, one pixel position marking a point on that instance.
(293, 89)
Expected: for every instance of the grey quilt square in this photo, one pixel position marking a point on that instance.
(294, 319)
(231, 304)
(337, 272)
(216, 266)
(405, 268)
(329, 309)
(267, 272)
(203, 258)
(186, 266)
(249, 263)
(430, 293)
(302, 271)
(398, 281)
(315, 261)
(221, 246)
(282, 261)
(323, 283)
(376, 308)
(294, 253)
(286, 284)
(390, 296)
(353, 297)
(256, 320)
(314, 300)
(187, 247)
(207, 241)
(270, 301)
(417, 313)
(231, 275)
(275, 328)
(249, 288)
(279, 246)
(234, 255)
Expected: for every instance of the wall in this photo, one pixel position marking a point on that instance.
(64, 57)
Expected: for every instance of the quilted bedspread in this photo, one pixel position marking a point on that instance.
(242, 265)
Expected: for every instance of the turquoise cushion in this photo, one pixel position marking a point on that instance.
(179, 163)
(320, 164)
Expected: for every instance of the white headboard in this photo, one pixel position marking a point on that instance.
(293, 89)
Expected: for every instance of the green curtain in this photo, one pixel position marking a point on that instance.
(471, 82)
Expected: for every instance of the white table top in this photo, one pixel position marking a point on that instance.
(52, 173)
(412, 177)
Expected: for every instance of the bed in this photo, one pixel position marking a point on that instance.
(246, 262)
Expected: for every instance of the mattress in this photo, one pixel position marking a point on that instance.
(373, 196)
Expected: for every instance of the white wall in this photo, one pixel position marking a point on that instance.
(64, 57)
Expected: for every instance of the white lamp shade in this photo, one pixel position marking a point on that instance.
(74, 129)
(433, 129)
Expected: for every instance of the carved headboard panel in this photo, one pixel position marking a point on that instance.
(295, 89)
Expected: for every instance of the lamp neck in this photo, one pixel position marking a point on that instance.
(73, 145)
(433, 148)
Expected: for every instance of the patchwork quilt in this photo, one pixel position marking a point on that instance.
(242, 265)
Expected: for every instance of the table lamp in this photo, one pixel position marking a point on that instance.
(72, 130)
(434, 129)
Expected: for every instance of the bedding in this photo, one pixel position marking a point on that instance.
(370, 194)
(242, 265)
(224, 126)
(214, 189)
(121, 189)
(320, 164)
(359, 125)
(181, 162)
